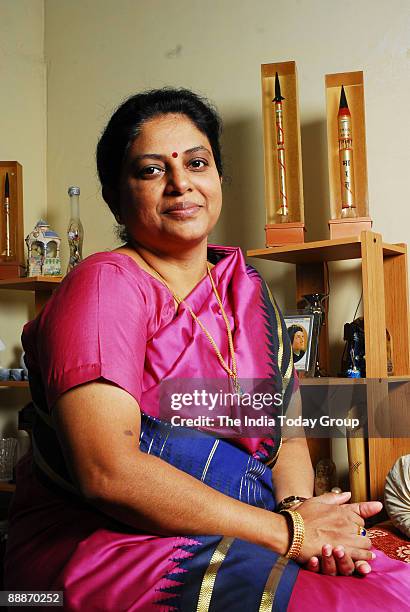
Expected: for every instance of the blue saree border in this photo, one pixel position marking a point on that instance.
(239, 582)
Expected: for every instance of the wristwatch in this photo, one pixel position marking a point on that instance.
(289, 502)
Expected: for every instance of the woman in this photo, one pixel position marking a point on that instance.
(297, 340)
(118, 508)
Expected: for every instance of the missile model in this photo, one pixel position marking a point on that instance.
(344, 120)
(7, 251)
(283, 211)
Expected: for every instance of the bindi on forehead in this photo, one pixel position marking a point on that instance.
(174, 154)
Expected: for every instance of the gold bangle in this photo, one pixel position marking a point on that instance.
(298, 534)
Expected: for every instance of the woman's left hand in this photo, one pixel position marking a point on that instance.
(337, 562)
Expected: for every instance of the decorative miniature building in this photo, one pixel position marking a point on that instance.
(43, 251)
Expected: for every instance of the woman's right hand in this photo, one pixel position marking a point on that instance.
(330, 520)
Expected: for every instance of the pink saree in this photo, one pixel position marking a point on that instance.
(111, 320)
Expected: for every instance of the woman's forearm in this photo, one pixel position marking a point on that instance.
(152, 495)
(139, 489)
(293, 472)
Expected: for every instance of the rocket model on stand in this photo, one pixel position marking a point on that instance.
(7, 251)
(283, 211)
(344, 120)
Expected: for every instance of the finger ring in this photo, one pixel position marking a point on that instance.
(361, 531)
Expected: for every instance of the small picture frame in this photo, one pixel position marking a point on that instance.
(303, 336)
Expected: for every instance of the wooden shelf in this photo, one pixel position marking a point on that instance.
(42, 286)
(304, 382)
(333, 380)
(7, 487)
(323, 250)
(31, 283)
(22, 384)
(385, 306)
(330, 380)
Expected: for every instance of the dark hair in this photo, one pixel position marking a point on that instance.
(126, 123)
(292, 330)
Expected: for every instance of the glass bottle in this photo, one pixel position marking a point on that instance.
(75, 231)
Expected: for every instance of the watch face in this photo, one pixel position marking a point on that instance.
(289, 502)
(292, 500)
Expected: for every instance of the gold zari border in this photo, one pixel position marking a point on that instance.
(210, 457)
(286, 378)
(272, 584)
(208, 581)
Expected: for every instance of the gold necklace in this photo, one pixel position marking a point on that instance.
(232, 372)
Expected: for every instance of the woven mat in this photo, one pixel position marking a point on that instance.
(391, 541)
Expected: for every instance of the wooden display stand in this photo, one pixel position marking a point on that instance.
(354, 89)
(293, 232)
(340, 228)
(385, 303)
(285, 233)
(14, 265)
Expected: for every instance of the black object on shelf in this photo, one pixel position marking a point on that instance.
(26, 418)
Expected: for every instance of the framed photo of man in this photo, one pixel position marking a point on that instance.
(300, 330)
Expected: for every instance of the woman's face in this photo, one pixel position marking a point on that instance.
(170, 193)
(298, 341)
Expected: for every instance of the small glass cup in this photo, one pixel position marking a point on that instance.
(8, 448)
(4, 374)
(16, 374)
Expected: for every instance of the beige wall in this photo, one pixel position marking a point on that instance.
(99, 52)
(23, 138)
